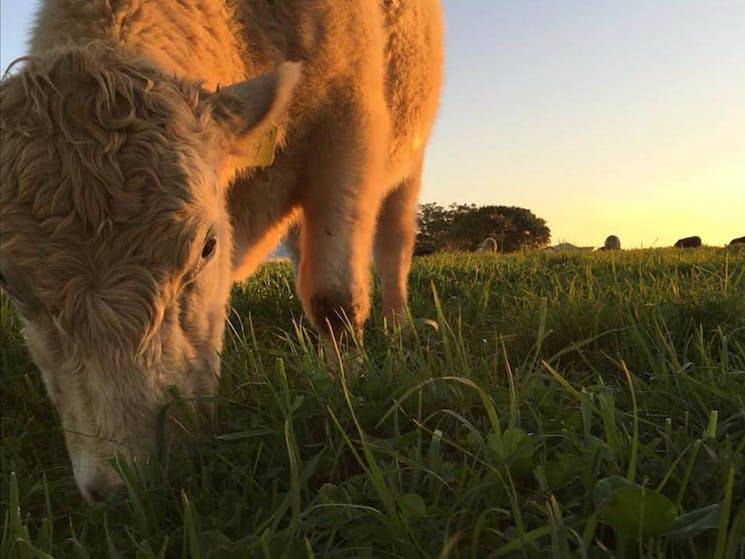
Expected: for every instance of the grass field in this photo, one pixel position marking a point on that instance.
(538, 405)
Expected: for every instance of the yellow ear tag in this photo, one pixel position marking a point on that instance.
(262, 152)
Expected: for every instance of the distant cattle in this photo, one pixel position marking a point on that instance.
(488, 245)
(611, 243)
(738, 241)
(689, 242)
(565, 247)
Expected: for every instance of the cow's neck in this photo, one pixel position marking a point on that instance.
(197, 39)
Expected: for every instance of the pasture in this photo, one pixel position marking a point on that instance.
(536, 405)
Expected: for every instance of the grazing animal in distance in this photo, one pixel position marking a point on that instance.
(129, 202)
(569, 247)
(688, 242)
(612, 242)
(488, 245)
(739, 241)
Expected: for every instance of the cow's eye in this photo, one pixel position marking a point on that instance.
(209, 247)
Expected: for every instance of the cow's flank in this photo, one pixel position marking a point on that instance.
(688, 242)
(127, 207)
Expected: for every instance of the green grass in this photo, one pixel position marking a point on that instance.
(538, 405)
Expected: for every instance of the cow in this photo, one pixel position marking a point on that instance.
(612, 242)
(569, 247)
(739, 241)
(488, 245)
(688, 242)
(154, 152)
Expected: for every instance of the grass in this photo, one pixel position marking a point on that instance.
(537, 405)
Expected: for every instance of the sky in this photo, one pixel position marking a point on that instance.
(602, 117)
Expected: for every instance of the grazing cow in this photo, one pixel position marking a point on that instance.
(488, 245)
(612, 243)
(738, 241)
(569, 247)
(126, 206)
(688, 242)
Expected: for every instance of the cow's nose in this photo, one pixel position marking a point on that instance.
(96, 492)
(93, 494)
(95, 481)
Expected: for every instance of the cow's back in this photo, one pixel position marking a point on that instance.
(222, 41)
(391, 48)
(414, 58)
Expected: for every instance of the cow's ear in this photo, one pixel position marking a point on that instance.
(245, 111)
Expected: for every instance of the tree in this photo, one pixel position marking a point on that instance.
(433, 224)
(465, 226)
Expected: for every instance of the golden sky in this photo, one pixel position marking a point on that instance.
(602, 118)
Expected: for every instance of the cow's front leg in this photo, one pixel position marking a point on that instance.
(394, 244)
(340, 200)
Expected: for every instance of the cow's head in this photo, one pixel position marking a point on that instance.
(115, 239)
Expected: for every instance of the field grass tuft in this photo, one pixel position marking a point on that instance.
(534, 405)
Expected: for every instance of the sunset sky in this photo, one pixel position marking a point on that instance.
(602, 117)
